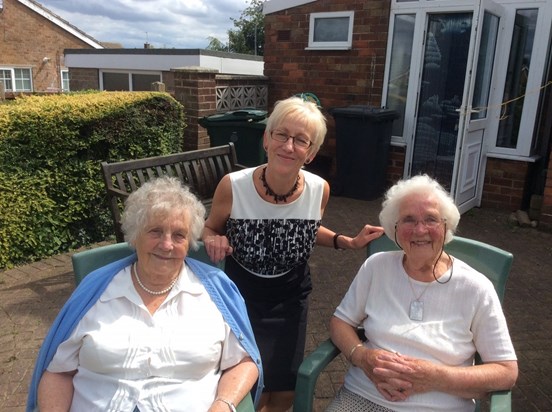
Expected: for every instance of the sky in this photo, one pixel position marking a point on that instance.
(179, 24)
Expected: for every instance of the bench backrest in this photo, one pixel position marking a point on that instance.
(201, 170)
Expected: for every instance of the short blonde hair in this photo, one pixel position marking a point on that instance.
(162, 196)
(420, 184)
(298, 109)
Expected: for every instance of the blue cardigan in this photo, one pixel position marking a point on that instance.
(221, 289)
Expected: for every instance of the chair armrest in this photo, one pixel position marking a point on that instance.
(308, 374)
(246, 405)
(501, 401)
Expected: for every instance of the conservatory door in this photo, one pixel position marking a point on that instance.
(457, 69)
(474, 117)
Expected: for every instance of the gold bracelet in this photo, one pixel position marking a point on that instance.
(230, 404)
(353, 349)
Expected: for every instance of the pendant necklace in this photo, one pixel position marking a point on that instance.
(270, 192)
(416, 306)
(416, 311)
(152, 292)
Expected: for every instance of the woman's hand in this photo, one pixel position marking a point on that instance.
(217, 247)
(365, 236)
(393, 386)
(424, 376)
(327, 237)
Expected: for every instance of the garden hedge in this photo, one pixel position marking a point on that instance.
(52, 196)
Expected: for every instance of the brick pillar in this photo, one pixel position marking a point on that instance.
(195, 88)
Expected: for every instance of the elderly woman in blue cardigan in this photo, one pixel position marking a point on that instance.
(154, 331)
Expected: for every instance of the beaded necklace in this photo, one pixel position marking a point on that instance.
(270, 192)
(152, 292)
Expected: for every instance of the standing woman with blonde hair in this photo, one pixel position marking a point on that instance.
(266, 220)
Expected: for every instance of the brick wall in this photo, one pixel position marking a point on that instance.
(27, 38)
(337, 77)
(504, 184)
(546, 210)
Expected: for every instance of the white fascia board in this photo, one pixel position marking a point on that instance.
(273, 6)
(130, 61)
(162, 62)
(232, 66)
(59, 22)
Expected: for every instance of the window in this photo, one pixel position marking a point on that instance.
(125, 81)
(16, 80)
(331, 30)
(142, 82)
(65, 80)
(516, 80)
(399, 68)
(115, 81)
(6, 78)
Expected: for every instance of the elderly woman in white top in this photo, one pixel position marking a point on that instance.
(156, 331)
(425, 315)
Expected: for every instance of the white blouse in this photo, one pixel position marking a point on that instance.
(460, 317)
(169, 361)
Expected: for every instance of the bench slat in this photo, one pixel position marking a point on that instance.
(201, 170)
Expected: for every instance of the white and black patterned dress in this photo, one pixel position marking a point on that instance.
(272, 244)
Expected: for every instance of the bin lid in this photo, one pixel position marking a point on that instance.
(242, 115)
(376, 114)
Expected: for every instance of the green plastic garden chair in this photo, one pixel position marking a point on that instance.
(87, 261)
(493, 262)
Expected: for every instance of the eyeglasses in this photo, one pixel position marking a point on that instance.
(429, 222)
(300, 142)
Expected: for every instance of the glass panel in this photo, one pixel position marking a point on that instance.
(65, 80)
(5, 77)
(22, 79)
(399, 68)
(516, 78)
(115, 81)
(485, 65)
(442, 87)
(331, 29)
(142, 82)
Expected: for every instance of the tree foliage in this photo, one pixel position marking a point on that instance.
(248, 35)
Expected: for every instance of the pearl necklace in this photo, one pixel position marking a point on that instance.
(276, 196)
(152, 292)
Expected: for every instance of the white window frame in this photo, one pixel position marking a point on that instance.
(64, 82)
(527, 140)
(14, 89)
(331, 45)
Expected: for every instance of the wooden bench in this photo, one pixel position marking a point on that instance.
(201, 170)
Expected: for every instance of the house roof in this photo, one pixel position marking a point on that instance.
(272, 6)
(63, 24)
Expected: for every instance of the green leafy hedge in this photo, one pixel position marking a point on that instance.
(52, 196)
